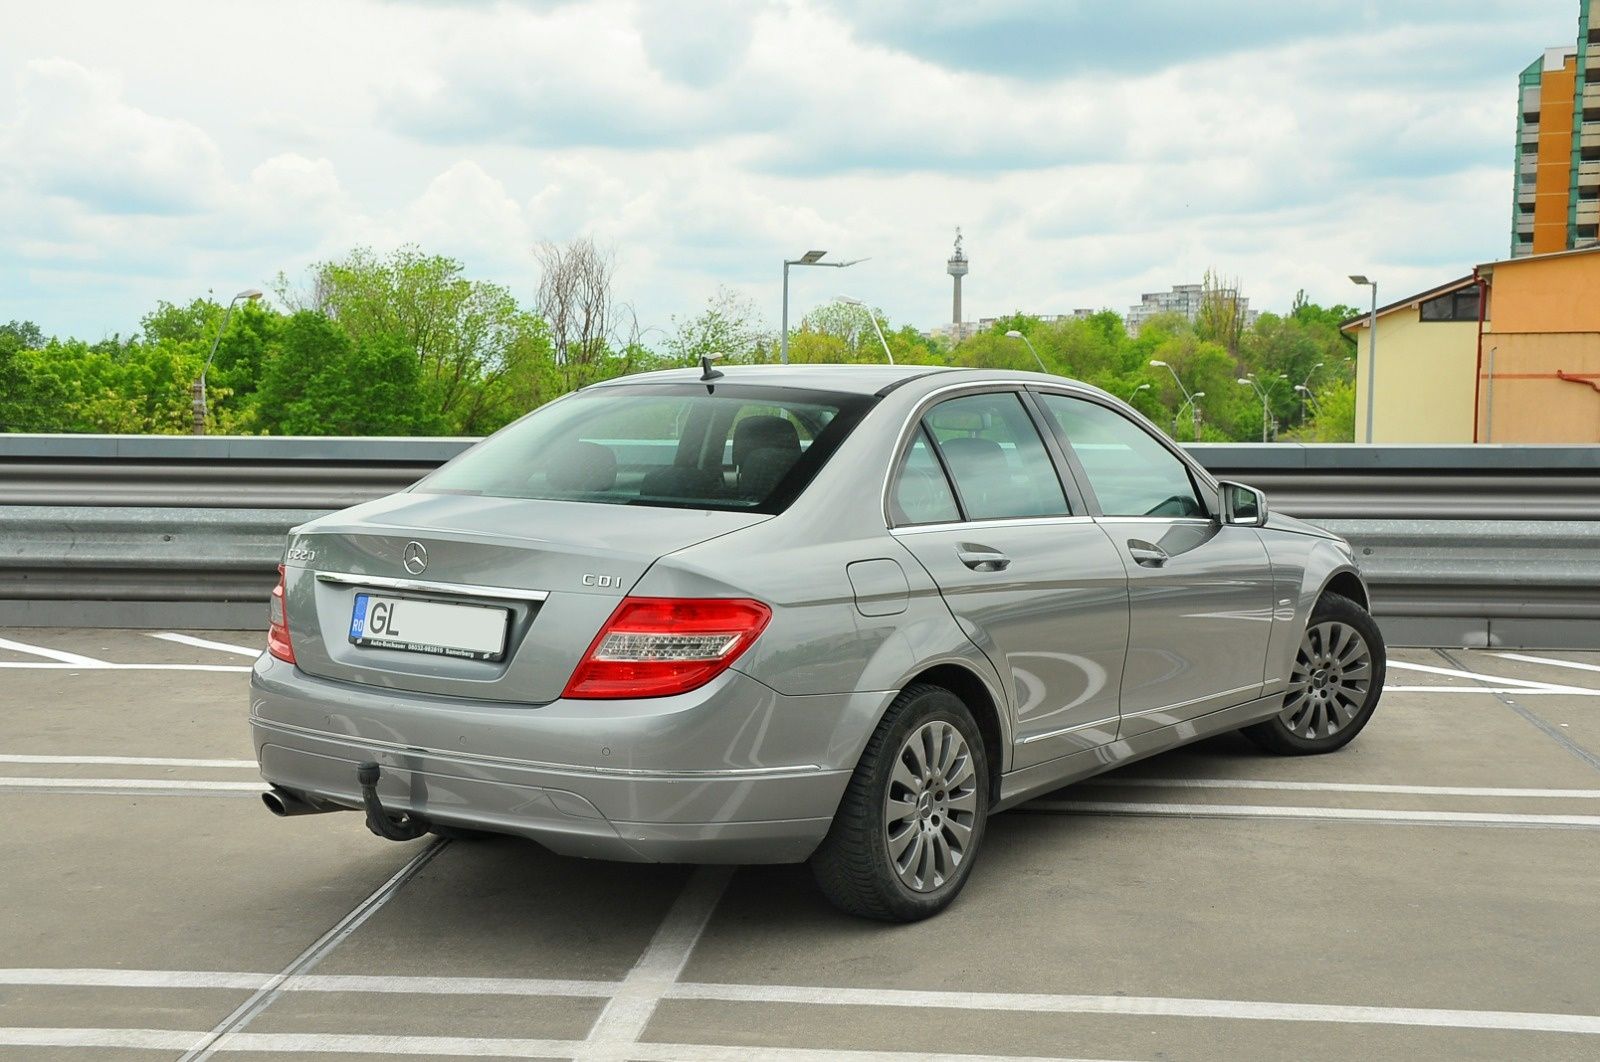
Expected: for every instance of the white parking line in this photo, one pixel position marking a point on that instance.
(822, 995)
(1261, 811)
(467, 1046)
(50, 654)
(132, 783)
(1402, 665)
(102, 665)
(1144, 1006)
(1342, 787)
(1520, 691)
(128, 761)
(206, 643)
(617, 1029)
(1550, 661)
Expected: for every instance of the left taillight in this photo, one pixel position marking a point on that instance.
(278, 643)
(658, 646)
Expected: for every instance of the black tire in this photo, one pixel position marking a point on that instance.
(1280, 734)
(854, 867)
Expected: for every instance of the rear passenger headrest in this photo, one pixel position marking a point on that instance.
(763, 433)
(582, 466)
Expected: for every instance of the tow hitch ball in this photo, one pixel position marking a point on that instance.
(401, 827)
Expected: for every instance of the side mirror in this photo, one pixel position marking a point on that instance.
(1243, 505)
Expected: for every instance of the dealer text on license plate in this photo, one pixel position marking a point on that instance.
(473, 632)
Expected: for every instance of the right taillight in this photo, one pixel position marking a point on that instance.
(278, 643)
(659, 646)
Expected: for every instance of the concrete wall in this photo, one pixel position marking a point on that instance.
(1424, 382)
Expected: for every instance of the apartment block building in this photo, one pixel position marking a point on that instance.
(1557, 198)
(1183, 299)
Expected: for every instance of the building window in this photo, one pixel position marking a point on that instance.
(1457, 306)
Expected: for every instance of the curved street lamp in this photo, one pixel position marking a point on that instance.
(1014, 334)
(810, 258)
(199, 403)
(848, 301)
(1134, 393)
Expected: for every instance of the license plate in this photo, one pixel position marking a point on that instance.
(472, 632)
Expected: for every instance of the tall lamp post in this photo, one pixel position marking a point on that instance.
(1265, 394)
(199, 402)
(1187, 397)
(810, 258)
(1014, 334)
(1372, 348)
(1304, 387)
(1135, 392)
(1191, 403)
(1305, 394)
(848, 301)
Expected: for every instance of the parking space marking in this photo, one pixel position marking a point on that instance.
(205, 643)
(616, 1031)
(1342, 787)
(1553, 733)
(394, 984)
(124, 784)
(129, 761)
(103, 665)
(1457, 672)
(1143, 1006)
(264, 997)
(51, 654)
(1262, 811)
(469, 1046)
(1549, 661)
(1520, 691)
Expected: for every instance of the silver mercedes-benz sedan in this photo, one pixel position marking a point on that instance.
(827, 613)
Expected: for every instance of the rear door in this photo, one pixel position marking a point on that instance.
(1200, 592)
(978, 499)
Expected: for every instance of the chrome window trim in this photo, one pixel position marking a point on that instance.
(428, 586)
(1005, 521)
(914, 418)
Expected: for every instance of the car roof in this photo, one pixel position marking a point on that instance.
(850, 379)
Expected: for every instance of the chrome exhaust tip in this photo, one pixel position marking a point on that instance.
(284, 804)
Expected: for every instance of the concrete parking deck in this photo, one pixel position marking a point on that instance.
(1429, 892)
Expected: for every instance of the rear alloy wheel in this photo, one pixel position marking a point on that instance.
(908, 830)
(1334, 686)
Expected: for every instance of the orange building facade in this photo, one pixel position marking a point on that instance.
(1538, 377)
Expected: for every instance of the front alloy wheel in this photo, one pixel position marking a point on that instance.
(1334, 685)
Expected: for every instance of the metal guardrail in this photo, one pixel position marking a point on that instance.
(1462, 544)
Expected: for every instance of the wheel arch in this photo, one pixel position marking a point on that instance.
(974, 692)
(1346, 582)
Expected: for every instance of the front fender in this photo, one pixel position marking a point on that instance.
(1303, 568)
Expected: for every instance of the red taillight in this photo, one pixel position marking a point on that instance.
(658, 646)
(278, 643)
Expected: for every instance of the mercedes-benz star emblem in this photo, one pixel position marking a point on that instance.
(414, 557)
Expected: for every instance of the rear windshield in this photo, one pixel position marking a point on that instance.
(738, 448)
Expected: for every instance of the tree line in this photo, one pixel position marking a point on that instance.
(408, 344)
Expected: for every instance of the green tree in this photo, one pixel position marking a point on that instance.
(318, 381)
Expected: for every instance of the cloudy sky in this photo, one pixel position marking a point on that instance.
(1089, 150)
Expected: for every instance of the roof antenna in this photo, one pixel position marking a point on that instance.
(707, 373)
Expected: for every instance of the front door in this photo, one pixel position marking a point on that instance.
(1038, 587)
(1200, 592)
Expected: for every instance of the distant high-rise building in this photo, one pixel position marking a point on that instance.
(1557, 204)
(1185, 300)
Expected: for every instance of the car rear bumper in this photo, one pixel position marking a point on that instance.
(734, 773)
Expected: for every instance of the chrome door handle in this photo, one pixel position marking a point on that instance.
(1147, 554)
(982, 558)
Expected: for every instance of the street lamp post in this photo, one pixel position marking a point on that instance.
(199, 401)
(1305, 395)
(1304, 387)
(810, 258)
(1187, 397)
(1135, 392)
(1372, 349)
(1014, 334)
(848, 301)
(1265, 394)
(1192, 403)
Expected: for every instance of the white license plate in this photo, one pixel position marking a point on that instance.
(473, 632)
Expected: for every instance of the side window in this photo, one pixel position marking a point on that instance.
(921, 493)
(1000, 465)
(1131, 473)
